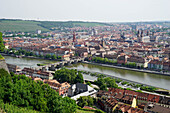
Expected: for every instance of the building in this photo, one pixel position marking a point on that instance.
(38, 31)
(37, 73)
(140, 61)
(145, 39)
(61, 88)
(79, 89)
(155, 108)
(14, 68)
(122, 59)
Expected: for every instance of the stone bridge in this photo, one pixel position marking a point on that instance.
(53, 66)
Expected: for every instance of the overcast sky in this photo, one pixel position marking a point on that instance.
(87, 10)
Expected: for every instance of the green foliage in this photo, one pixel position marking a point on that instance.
(79, 78)
(4, 73)
(118, 80)
(48, 56)
(2, 47)
(129, 89)
(20, 25)
(139, 91)
(32, 26)
(1, 57)
(138, 85)
(110, 82)
(86, 101)
(103, 60)
(103, 83)
(68, 75)
(22, 91)
(125, 82)
(131, 65)
(53, 57)
(88, 83)
(9, 108)
(148, 88)
(40, 64)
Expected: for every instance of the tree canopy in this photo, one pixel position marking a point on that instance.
(103, 83)
(68, 75)
(22, 91)
(86, 101)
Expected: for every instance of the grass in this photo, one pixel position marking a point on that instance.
(82, 111)
(20, 25)
(41, 64)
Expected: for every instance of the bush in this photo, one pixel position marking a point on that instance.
(129, 89)
(139, 91)
(14, 109)
(1, 57)
(125, 82)
(118, 80)
(85, 101)
(88, 83)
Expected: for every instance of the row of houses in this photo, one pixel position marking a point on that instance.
(145, 62)
(110, 100)
(111, 105)
(37, 73)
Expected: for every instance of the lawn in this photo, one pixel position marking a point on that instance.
(82, 111)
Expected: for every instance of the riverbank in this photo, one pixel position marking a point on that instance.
(123, 79)
(132, 69)
(31, 57)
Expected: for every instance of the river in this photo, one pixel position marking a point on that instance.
(145, 78)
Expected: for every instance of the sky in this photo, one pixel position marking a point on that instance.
(86, 10)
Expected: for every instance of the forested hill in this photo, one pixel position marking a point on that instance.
(17, 25)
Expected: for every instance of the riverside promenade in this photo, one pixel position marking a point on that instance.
(132, 69)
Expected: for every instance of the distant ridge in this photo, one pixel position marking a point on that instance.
(17, 25)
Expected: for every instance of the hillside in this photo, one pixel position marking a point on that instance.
(20, 25)
(32, 26)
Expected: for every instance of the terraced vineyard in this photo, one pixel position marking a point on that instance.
(32, 26)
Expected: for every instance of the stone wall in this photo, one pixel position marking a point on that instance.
(3, 65)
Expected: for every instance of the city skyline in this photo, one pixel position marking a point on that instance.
(78, 10)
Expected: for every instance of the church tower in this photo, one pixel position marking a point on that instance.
(74, 37)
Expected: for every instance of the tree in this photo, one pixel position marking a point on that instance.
(110, 82)
(85, 101)
(27, 54)
(59, 57)
(53, 57)
(68, 75)
(22, 91)
(48, 56)
(79, 78)
(101, 83)
(88, 83)
(2, 47)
